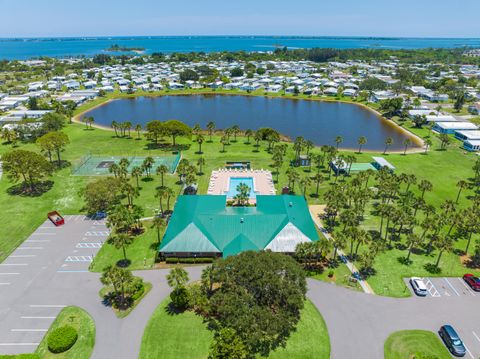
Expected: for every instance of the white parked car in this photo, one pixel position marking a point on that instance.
(418, 286)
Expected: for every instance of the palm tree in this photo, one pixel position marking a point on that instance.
(128, 126)
(339, 242)
(425, 186)
(317, 178)
(388, 143)
(196, 129)
(211, 129)
(298, 145)
(292, 176)
(224, 142)
(461, 186)
(148, 164)
(362, 239)
(362, 140)
(304, 183)
(406, 143)
(138, 128)
(137, 172)
(428, 143)
(162, 170)
(444, 244)
(248, 134)
(412, 241)
(157, 223)
(200, 140)
(338, 141)
(114, 125)
(308, 146)
(235, 131)
(177, 277)
(121, 240)
(200, 164)
(169, 193)
(161, 194)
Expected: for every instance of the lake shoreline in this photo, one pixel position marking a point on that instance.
(208, 92)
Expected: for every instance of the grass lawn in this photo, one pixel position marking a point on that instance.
(443, 168)
(341, 275)
(141, 252)
(408, 344)
(186, 336)
(82, 349)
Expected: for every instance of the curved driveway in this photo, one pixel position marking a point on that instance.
(50, 271)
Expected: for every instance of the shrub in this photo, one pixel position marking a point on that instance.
(138, 288)
(20, 356)
(62, 339)
(175, 260)
(180, 298)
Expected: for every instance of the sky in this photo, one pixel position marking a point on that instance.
(406, 18)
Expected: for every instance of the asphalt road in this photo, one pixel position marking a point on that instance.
(50, 271)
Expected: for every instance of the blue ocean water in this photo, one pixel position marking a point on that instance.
(22, 49)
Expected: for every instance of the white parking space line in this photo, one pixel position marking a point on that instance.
(5, 283)
(13, 264)
(451, 286)
(432, 290)
(468, 351)
(96, 233)
(476, 336)
(19, 344)
(47, 306)
(72, 271)
(79, 259)
(10, 273)
(89, 245)
(37, 317)
(28, 248)
(23, 256)
(37, 240)
(469, 290)
(28, 330)
(44, 234)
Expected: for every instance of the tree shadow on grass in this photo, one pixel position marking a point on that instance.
(147, 179)
(170, 309)
(124, 263)
(432, 268)
(24, 190)
(167, 147)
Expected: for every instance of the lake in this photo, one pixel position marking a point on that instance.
(317, 121)
(25, 48)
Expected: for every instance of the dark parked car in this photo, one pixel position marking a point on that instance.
(472, 281)
(452, 340)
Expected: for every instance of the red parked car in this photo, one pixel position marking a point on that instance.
(56, 218)
(472, 281)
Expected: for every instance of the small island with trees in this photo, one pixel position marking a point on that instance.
(118, 48)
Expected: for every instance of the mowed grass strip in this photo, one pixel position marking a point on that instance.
(407, 344)
(186, 336)
(85, 326)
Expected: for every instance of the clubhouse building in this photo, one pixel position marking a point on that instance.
(204, 226)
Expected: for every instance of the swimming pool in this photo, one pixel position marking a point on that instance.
(235, 181)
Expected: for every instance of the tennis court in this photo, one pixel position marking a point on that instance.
(358, 167)
(97, 165)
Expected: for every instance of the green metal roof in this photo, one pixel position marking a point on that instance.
(203, 223)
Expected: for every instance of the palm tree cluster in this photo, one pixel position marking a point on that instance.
(121, 128)
(406, 221)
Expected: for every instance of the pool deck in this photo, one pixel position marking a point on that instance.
(262, 181)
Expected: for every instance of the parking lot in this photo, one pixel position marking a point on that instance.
(457, 297)
(443, 287)
(39, 277)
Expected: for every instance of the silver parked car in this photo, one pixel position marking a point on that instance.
(418, 286)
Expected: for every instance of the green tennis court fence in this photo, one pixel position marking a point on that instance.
(98, 165)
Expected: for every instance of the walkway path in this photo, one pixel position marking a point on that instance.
(315, 212)
(50, 271)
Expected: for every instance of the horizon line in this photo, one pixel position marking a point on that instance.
(244, 35)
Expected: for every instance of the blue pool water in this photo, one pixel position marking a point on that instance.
(235, 181)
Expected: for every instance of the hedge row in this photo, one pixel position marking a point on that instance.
(62, 339)
(188, 260)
